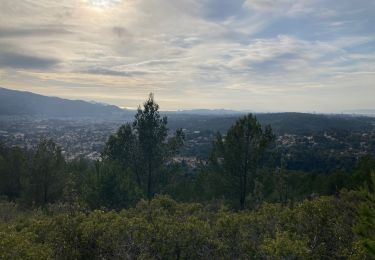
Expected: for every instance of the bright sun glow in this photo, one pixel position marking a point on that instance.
(103, 3)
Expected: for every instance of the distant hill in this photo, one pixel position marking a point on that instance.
(303, 123)
(295, 123)
(369, 112)
(205, 112)
(22, 103)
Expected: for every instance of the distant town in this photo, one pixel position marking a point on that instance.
(86, 139)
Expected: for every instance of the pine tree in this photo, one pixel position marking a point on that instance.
(46, 178)
(241, 151)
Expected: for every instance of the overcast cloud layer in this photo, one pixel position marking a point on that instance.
(261, 55)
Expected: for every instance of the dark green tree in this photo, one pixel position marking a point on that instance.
(109, 185)
(143, 147)
(13, 166)
(365, 227)
(362, 173)
(240, 153)
(123, 147)
(45, 181)
(152, 133)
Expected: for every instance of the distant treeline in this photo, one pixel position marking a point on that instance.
(282, 123)
(38, 178)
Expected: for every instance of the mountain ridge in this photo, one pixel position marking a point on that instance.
(26, 103)
(14, 102)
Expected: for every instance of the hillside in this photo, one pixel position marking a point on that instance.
(297, 123)
(14, 103)
(19, 103)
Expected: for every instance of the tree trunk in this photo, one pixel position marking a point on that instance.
(45, 194)
(149, 193)
(45, 188)
(244, 191)
(245, 171)
(138, 178)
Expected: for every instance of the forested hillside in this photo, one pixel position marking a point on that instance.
(139, 202)
(292, 123)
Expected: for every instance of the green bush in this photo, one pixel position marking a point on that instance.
(165, 229)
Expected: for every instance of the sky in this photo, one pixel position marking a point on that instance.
(258, 55)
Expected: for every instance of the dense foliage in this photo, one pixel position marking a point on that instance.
(240, 154)
(166, 229)
(143, 148)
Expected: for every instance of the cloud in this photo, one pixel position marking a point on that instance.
(16, 60)
(103, 71)
(223, 9)
(244, 54)
(289, 7)
(31, 32)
